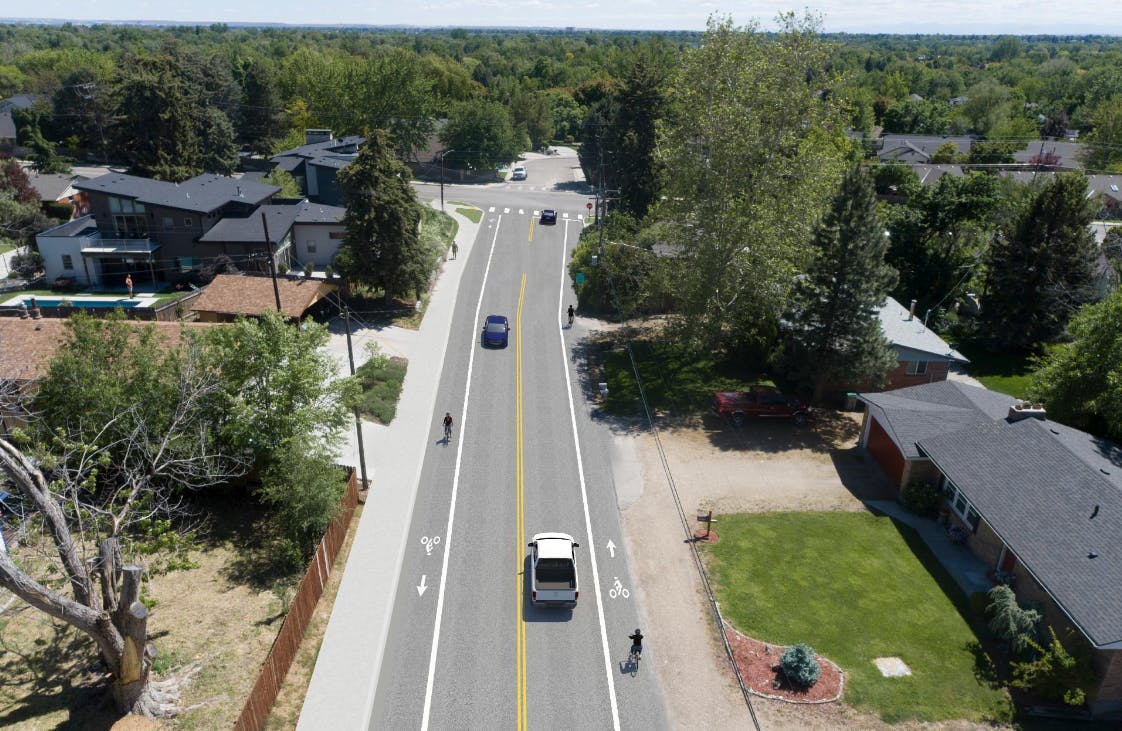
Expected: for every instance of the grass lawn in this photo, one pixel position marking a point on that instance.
(381, 380)
(674, 377)
(856, 587)
(472, 214)
(1004, 372)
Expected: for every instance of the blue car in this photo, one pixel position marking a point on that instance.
(496, 331)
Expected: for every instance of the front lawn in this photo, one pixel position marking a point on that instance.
(857, 587)
(1007, 372)
(675, 378)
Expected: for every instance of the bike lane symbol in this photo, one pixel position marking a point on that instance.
(617, 590)
(430, 543)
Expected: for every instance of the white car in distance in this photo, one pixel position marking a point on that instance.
(519, 173)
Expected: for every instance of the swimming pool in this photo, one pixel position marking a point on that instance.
(76, 302)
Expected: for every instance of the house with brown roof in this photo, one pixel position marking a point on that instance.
(230, 295)
(27, 347)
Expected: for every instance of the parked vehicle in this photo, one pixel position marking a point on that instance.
(760, 401)
(518, 173)
(553, 569)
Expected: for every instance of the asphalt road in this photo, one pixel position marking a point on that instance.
(466, 648)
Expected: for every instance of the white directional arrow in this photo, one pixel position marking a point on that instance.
(422, 587)
(611, 548)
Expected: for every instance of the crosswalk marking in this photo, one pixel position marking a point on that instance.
(521, 212)
(506, 210)
(491, 209)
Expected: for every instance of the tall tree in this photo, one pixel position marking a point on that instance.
(381, 247)
(481, 135)
(106, 474)
(1081, 381)
(1102, 149)
(1040, 267)
(752, 151)
(639, 106)
(170, 120)
(260, 118)
(834, 334)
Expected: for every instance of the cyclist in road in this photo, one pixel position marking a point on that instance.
(571, 313)
(636, 642)
(447, 425)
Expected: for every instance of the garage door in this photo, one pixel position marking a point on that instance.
(885, 452)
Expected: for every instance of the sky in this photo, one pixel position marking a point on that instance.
(1017, 17)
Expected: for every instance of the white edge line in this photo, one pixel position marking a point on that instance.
(455, 492)
(584, 497)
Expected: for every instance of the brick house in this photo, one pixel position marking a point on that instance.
(921, 355)
(1040, 502)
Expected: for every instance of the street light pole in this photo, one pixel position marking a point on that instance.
(442, 178)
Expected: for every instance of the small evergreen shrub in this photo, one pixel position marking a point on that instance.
(1057, 674)
(799, 665)
(922, 498)
(308, 268)
(1013, 624)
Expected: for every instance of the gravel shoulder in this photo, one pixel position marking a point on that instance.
(766, 466)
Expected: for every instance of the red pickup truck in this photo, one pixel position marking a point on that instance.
(762, 401)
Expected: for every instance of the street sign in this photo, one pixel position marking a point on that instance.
(589, 205)
(580, 278)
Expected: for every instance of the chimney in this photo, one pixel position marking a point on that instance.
(912, 311)
(1025, 410)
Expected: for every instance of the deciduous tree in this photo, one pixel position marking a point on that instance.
(752, 150)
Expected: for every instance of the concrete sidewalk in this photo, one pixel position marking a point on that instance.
(341, 693)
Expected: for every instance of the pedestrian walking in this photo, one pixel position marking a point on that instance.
(455, 249)
(128, 283)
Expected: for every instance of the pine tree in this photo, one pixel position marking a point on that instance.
(834, 333)
(381, 247)
(1040, 269)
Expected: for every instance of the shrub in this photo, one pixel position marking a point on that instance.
(921, 497)
(1013, 624)
(1056, 674)
(799, 665)
(309, 267)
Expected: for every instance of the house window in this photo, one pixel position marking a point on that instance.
(185, 263)
(67, 261)
(311, 246)
(961, 506)
(187, 222)
(336, 235)
(917, 367)
(169, 224)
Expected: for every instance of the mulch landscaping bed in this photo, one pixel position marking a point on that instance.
(762, 675)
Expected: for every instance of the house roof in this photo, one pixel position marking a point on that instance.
(320, 213)
(338, 162)
(1034, 486)
(918, 147)
(236, 294)
(903, 331)
(912, 414)
(341, 145)
(200, 194)
(28, 346)
(1065, 151)
(249, 229)
(84, 226)
(52, 187)
(930, 174)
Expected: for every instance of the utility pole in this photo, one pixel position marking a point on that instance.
(442, 178)
(273, 264)
(358, 419)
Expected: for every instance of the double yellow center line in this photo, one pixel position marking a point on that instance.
(520, 520)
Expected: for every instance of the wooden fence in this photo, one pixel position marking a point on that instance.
(264, 693)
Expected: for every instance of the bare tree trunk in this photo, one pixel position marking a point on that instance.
(131, 619)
